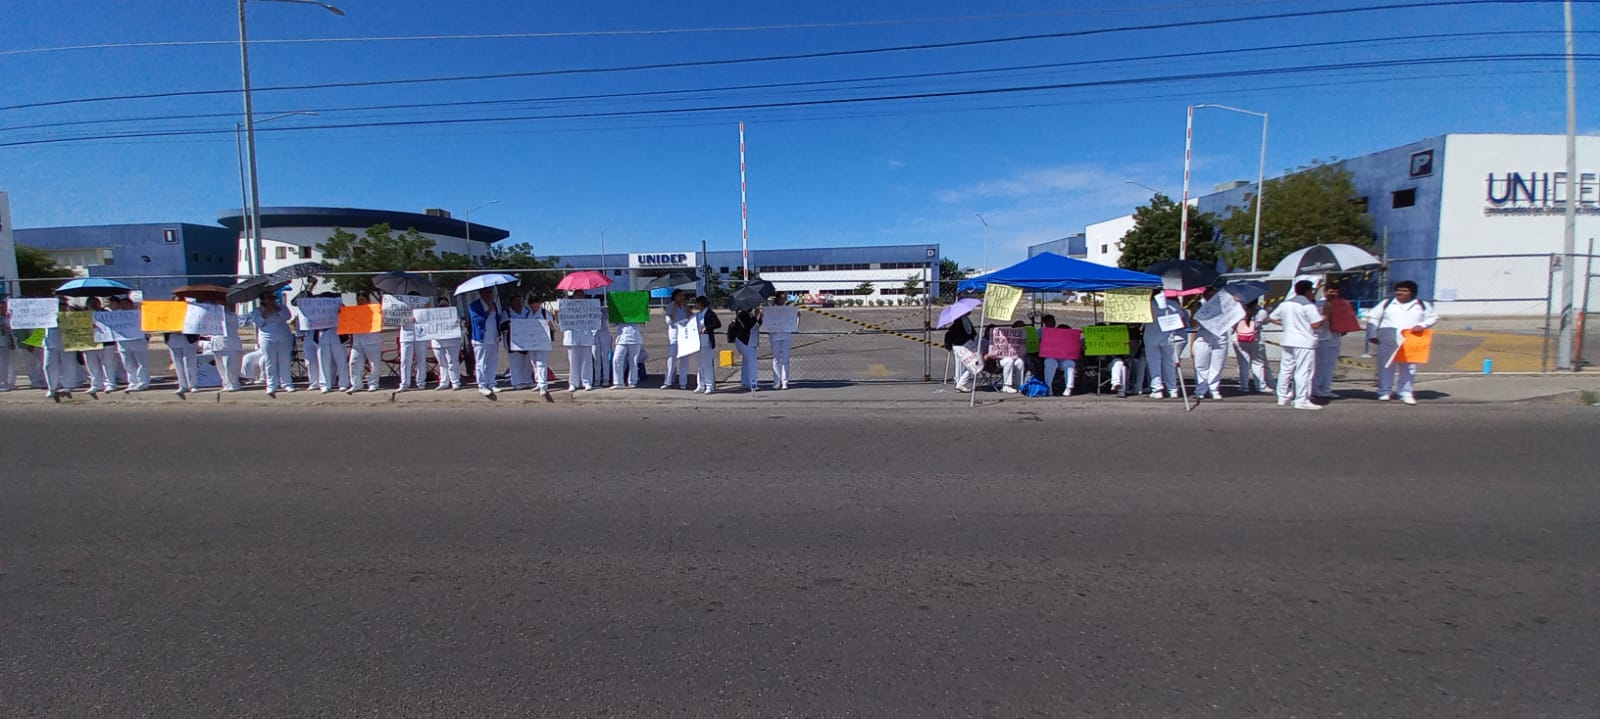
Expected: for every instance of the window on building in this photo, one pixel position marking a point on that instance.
(281, 253)
(305, 253)
(1104, 249)
(194, 256)
(616, 273)
(1361, 203)
(169, 236)
(1404, 198)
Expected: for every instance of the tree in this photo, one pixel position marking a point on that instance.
(950, 275)
(520, 256)
(864, 288)
(1154, 236)
(912, 286)
(36, 264)
(380, 250)
(1315, 204)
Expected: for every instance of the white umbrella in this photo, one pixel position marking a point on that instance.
(1323, 259)
(493, 279)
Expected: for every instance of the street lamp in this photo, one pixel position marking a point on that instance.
(250, 124)
(1141, 184)
(985, 240)
(257, 262)
(1261, 176)
(468, 222)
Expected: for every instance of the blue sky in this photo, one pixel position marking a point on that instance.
(1038, 165)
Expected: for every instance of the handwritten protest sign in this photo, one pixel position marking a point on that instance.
(1007, 341)
(1060, 343)
(1128, 305)
(581, 315)
(688, 338)
(436, 324)
(629, 307)
(1105, 341)
(117, 326)
(968, 358)
(163, 315)
(204, 320)
(360, 319)
(77, 332)
(782, 319)
(1414, 346)
(530, 335)
(1219, 314)
(319, 313)
(397, 309)
(30, 313)
(1000, 302)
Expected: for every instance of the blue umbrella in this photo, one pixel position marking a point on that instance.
(1246, 291)
(92, 287)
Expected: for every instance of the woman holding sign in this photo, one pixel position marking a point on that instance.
(745, 333)
(447, 352)
(519, 369)
(580, 347)
(1387, 325)
(276, 338)
(781, 339)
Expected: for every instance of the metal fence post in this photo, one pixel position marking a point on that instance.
(1549, 292)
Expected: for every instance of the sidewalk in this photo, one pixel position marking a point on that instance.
(1443, 389)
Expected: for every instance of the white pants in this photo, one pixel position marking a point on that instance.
(1011, 371)
(1252, 359)
(780, 359)
(1387, 370)
(625, 365)
(579, 366)
(276, 355)
(413, 364)
(1161, 360)
(706, 378)
(541, 368)
(186, 365)
(366, 355)
(486, 363)
(1128, 374)
(53, 361)
(677, 368)
(1295, 372)
(1327, 363)
(519, 369)
(448, 355)
(1051, 365)
(333, 362)
(1210, 354)
(749, 366)
(99, 374)
(114, 371)
(8, 374)
(32, 364)
(964, 376)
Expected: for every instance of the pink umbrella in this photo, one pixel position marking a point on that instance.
(583, 280)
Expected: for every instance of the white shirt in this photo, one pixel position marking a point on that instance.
(630, 334)
(1297, 315)
(273, 326)
(1390, 316)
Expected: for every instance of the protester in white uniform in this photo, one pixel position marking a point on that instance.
(1329, 338)
(1249, 351)
(333, 361)
(101, 372)
(1128, 373)
(706, 323)
(1385, 321)
(1053, 365)
(413, 358)
(600, 353)
(54, 360)
(964, 336)
(519, 367)
(483, 323)
(185, 361)
(625, 355)
(8, 350)
(781, 344)
(134, 353)
(745, 334)
(1163, 347)
(366, 357)
(580, 351)
(228, 349)
(540, 358)
(1210, 354)
(276, 338)
(447, 353)
(1011, 368)
(678, 315)
(1300, 319)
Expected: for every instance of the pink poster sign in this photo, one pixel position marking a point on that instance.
(1061, 344)
(1007, 342)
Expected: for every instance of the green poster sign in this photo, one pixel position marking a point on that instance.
(631, 308)
(1105, 340)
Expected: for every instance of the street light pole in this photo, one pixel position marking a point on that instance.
(1569, 263)
(468, 222)
(1261, 178)
(247, 221)
(985, 241)
(250, 127)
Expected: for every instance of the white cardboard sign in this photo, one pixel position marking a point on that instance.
(781, 319)
(436, 324)
(206, 320)
(530, 335)
(32, 313)
(318, 313)
(117, 326)
(581, 315)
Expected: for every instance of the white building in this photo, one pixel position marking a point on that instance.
(1104, 240)
(291, 234)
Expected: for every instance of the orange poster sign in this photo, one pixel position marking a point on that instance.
(162, 315)
(360, 319)
(1414, 346)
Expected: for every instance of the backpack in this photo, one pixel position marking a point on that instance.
(1247, 336)
(1034, 388)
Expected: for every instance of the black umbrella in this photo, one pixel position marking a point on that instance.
(751, 295)
(676, 279)
(1184, 276)
(297, 271)
(405, 283)
(253, 288)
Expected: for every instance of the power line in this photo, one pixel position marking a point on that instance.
(823, 83)
(789, 57)
(843, 101)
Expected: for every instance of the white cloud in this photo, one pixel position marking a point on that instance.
(1030, 183)
(896, 164)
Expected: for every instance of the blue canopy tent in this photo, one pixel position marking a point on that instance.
(1050, 272)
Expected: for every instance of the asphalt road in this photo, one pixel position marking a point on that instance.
(641, 562)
